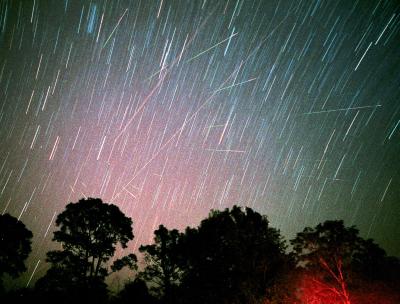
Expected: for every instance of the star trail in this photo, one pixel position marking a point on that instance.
(171, 108)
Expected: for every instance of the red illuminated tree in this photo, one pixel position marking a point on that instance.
(326, 253)
(336, 266)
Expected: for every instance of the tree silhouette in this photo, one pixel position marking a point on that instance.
(232, 257)
(372, 263)
(89, 232)
(284, 288)
(162, 271)
(15, 246)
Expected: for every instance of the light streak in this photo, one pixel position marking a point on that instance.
(119, 21)
(341, 109)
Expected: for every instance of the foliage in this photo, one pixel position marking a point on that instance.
(89, 232)
(135, 292)
(64, 287)
(372, 263)
(336, 263)
(376, 292)
(162, 270)
(232, 257)
(328, 250)
(15, 245)
(284, 289)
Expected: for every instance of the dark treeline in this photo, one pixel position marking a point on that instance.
(233, 256)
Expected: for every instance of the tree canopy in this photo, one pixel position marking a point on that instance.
(135, 291)
(337, 261)
(15, 245)
(232, 257)
(162, 270)
(89, 232)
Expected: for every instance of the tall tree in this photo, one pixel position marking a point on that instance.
(326, 251)
(336, 262)
(162, 270)
(15, 246)
(232, 257)
(89, 232)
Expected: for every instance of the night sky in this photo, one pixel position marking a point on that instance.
(171, 108)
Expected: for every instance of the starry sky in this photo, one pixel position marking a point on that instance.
(171, 108)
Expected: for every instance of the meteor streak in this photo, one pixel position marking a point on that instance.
(341, 109)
